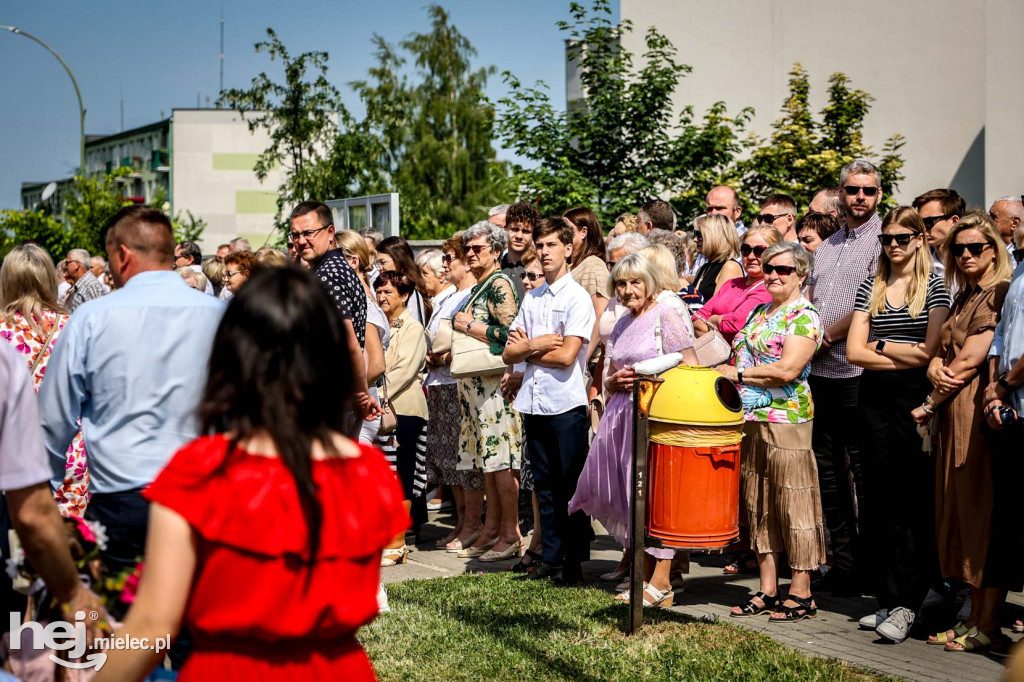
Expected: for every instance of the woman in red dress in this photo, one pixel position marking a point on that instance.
(265, 536)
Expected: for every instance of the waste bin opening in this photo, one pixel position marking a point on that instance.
(728, 394)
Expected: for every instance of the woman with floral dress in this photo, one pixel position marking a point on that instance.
(778, 474)
(31, 321)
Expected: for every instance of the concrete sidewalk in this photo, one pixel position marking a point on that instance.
(710, 594)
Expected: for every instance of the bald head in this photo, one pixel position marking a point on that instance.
(1008, 214)
(724, 200)
(139, 239)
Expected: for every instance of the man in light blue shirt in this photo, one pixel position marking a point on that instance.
(551, 334)
(131, 366)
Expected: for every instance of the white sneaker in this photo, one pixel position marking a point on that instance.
(874, 620)
(897, 626)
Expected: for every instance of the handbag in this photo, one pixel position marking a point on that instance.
(388, 420)
(442, 341)
(712, 349)
(470, 357)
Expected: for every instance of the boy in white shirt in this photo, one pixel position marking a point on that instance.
(551, 334)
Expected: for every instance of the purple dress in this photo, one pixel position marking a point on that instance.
(603, 489)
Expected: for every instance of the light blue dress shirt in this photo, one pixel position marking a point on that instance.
(132, 365)
(1008, 342)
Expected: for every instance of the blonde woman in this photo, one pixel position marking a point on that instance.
(626, 222)
(31, 321)
(266, 256)
(717, 241)
(897, 317)
(666, 278)
(978, 267)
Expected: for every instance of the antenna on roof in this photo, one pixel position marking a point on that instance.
(219, 92)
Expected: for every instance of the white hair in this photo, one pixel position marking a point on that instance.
(498, 210)
(240, 244)
(98, 259)
(1016, 206)
(496, 236)
(80, 255)
(630, 241)
(432, 259)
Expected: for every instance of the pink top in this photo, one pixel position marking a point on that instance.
(734, 301)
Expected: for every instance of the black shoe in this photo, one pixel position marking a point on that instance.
(543, 571)
(572, 574)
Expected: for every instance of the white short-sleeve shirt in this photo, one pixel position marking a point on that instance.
(564, 308)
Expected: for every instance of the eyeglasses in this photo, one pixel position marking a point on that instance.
(929, 223)
(747, 249)
(229, 275)
(381, 262)
(477, 248)
(532, 276)
(308, 234)
(976, 248)
(900, 239)
(447, 258)
(768, 218)
(853, 190)
(783, 270)
(697, 236)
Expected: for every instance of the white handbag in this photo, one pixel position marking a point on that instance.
(442, 341)
(712, 349)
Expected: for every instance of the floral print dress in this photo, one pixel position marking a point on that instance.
(760, 343)
(73, 493)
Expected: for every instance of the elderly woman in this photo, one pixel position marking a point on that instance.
(405, 358)
(978, 267)
(814, 228)
(666, 280)
(237, 268)
(443, 405)
(779, 476)
(717, 242)
(32, 321)
(431, 266)
(728, 309)
(604, 485)
(492, 433)
(196, 280)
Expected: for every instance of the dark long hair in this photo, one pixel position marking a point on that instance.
(276, 367)
(400, 252)
(581, 216)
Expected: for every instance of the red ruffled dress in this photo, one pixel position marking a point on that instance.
(251, 614)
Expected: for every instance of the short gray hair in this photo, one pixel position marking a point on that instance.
(432, 259)
(98, 259)
(498, 210)
(496, 236)
(860, 167)
(630, 241)
(373, 235)
(196, 280)
(634, 265)
(240, 244)
(802, 259)
(80, 255)
(1016, 205)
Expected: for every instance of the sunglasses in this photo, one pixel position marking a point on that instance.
(532, 276)
(477, 248)
(747, 249)
(783, 270)
(853, 190)
(1018, 255)
(976, 248)
(768, 218)
(929, 223)
(698, 236)
(900, 239)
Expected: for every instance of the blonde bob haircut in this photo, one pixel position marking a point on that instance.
(664, 265)
(28, 286)
(634, 266)
(1001, 268)
(720, 241)
(353, 245)
(917, 290)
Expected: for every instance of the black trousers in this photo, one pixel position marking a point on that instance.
(895, 490)
(408, 433)
(1003, 568)
(126, 518)
(834, 440)
(558, 449)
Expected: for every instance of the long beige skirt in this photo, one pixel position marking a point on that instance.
(779, 487)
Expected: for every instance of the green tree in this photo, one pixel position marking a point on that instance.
(430, 139)
(302, 116)
(804, 154)
(91, 202)
(18, 227)
(619, 145)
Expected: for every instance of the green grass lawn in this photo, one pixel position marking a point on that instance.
(478, 627)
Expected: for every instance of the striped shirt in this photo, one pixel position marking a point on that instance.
(841, 263)
(896, 324)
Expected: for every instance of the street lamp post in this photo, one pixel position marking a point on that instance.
(78, 93)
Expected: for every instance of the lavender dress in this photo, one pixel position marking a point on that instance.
(603, 490)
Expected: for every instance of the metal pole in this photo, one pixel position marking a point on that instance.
(644, 389)
(78, 93)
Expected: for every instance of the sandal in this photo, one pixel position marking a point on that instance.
(652, 597)
(1018, 626)
(977, 641)
(793, 614)
(456, 545)
(522, 566)
(393, 557)
(959, 630)
(443, 542)
(748, 609)
(743, 565)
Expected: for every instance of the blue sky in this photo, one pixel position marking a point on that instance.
(159, 56)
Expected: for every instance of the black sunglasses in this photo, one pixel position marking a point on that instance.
(852, 190)
(929, 223)
(697, 236)
(747, 249)
(532, 276)
(784, 270)
(447, 258)
(768, 218)
(1018, 255)
(901, 239)
(976, 248)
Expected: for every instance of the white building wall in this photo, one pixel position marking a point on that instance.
(946, 74)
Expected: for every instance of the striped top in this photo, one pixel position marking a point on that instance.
(896, 324)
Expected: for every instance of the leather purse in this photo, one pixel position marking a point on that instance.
(473, 358)
(442, 341)
(388, 420)
(712, 349)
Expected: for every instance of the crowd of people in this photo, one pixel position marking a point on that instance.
(199, 408)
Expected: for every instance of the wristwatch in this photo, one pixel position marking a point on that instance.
(469, 324)
(879, 346)
(739, 374)
(1004, 383)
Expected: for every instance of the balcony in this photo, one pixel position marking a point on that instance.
(134, 164)
(160, 161)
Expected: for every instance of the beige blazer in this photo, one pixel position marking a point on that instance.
(405, 360)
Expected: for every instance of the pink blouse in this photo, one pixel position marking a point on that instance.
(734, 301)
